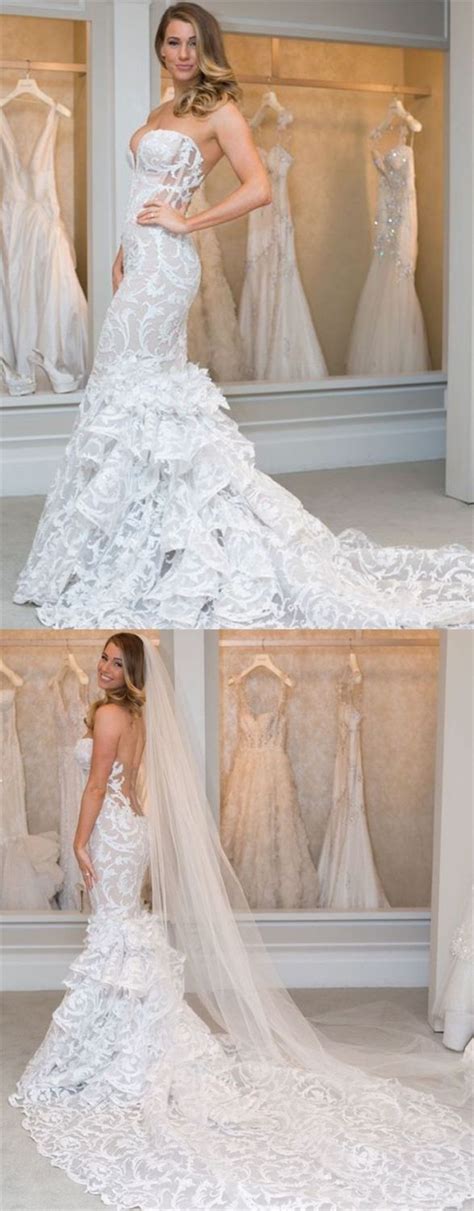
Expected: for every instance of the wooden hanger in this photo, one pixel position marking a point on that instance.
(69, 664)
(13, 677)
(262, 661)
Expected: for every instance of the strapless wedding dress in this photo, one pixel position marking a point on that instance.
(157, 516)
(133, 1096)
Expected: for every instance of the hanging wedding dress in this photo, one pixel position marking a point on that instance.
(346, 868)
(70, 707)
(454, 1009)
(157, 516)
(40, 293)
(388, 334)
(29, 870)
(213, 330)
(262, 830)
(280, 343)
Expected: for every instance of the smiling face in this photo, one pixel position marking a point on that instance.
(179, 51)
(110, 672)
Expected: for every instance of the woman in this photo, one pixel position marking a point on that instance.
(157, 517)
(130, 1092)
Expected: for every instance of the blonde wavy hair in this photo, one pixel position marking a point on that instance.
(216, 79)
(132, 693)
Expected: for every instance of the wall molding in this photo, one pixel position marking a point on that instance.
(294, 429)
(324, 950)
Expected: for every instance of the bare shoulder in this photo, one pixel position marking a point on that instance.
(159, 109)
(110, 720)
(228, 121)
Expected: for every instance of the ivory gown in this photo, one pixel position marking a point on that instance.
(157, 516)
(136, 1100)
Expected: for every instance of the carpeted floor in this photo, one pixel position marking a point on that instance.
(399, 504)
(29, 1182)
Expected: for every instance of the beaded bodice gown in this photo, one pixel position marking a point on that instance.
(157, 515)
(388, 335)
(133, 1096)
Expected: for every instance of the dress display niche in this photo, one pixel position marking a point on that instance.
(388, 335)
(278, 335)
(213, 331)
(262, 830)
(30, 876)
(70, 706)
(42, 301)
(346, 869)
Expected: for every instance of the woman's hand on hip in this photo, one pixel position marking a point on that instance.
(160, 214)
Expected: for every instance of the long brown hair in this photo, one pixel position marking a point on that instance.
(216, 79)
(132, 693)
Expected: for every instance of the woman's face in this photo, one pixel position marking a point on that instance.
(110, 668)
(179, 51)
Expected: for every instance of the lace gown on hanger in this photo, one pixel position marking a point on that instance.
(133, 1096)
(29, 872)
(213, 330)
(40, 294)
(69, 711)
(278, 335)
(262, 830)
(388, 335)
(157, 516)
(346, 868)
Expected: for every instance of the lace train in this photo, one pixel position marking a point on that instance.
(159, 518)
(136, 1100)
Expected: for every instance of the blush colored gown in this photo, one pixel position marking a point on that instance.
(157, 516)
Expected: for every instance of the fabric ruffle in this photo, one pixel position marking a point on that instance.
(159, 518)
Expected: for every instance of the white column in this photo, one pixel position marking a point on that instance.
(453, 823)
(197, 696)
(131, 89)
(460, 388)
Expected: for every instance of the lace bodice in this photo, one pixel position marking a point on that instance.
(118, 845)
(166, 163)
(265, 730)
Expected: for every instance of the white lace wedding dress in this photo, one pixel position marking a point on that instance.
(346, 869)
(133, 1096)
(157, 516)
(388, 334)
(42, 301)
(262, 830)
(278, 334)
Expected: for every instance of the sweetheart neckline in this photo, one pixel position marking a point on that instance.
(160, 130)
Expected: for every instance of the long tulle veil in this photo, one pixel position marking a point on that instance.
(202, 906)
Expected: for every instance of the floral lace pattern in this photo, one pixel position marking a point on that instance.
(136, 1100)
(157, 516)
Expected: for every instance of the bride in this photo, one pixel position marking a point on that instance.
(130, 1092)
(157, 516)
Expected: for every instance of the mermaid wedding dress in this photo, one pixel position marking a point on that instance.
(157, 516)
(133, 1096)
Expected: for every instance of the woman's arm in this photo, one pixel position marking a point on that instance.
(235, 140)
(108, 724)
(117, 270)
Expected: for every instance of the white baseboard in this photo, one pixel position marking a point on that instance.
(357, 950)
(292, 430)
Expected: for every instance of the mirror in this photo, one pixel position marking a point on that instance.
(327, 746)
(320, 315)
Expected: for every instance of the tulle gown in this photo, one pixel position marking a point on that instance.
(42, 301)
(388, 335)
(133, 1096)
(157, 516)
